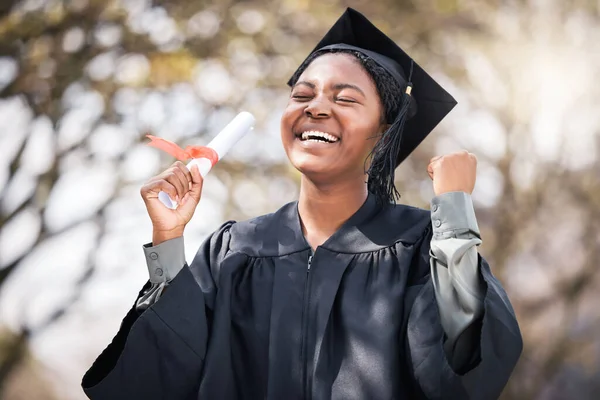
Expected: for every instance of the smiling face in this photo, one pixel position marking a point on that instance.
(333, 114)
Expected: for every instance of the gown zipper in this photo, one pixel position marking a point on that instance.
(304, 360)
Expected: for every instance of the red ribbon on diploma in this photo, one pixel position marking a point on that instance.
(183, 154)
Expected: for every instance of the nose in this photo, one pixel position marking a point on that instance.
(317, 109)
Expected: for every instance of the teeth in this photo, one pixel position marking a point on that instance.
(308, 134)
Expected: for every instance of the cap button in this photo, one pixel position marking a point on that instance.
(154, 256)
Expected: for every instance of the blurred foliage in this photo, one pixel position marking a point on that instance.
(84, 66)
(26, 380)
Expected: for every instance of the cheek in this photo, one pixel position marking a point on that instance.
(362, 136)
(358, 151)
(287, 121)
(369, 144)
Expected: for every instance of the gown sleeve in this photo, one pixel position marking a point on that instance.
(159, 351)
(458, 287)
(463, 338)
(164, 261)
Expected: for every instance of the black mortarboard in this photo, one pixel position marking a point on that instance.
(353, 31)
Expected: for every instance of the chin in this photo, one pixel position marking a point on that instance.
(310, 166)
(322, 173)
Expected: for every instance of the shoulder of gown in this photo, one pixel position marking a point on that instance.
(371, 228)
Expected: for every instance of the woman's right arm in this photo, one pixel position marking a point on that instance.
(160, 347)
(165, 256)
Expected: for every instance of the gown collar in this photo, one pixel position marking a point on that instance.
(349, 238)
(371, 228)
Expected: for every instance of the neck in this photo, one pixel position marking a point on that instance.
(323, 209)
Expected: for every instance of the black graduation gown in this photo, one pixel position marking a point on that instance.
(252, 318)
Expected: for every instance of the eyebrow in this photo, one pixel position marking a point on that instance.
(337, 86)
(309, 84)
(340, 86)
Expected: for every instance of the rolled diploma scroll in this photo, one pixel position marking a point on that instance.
(221, 144)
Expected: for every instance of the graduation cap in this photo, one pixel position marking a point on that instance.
(425, 103)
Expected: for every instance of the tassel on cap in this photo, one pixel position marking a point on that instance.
(384, 155)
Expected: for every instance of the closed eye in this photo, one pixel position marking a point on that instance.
(346, 100)
(300, 97)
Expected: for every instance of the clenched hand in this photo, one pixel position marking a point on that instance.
(183, 186)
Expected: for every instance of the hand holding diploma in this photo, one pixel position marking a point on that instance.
(181, 184)
(179, 187)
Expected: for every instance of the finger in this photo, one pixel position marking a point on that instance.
(168, 188)
(162, 176)
(188, 175)
(196, 191)
(435, 163)
(183, 179)
(166, 175)
(435, 159)
(156, 178)
(430, 171)
(176, 181)
(152, 189)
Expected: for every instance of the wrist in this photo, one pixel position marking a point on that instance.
(159, 236)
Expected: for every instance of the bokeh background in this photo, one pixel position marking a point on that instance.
(82, 81)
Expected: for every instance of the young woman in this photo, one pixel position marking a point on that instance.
(342, 294)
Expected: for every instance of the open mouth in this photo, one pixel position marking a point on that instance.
(317, 136)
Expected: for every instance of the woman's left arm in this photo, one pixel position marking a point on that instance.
(462, 335)
(458, 285)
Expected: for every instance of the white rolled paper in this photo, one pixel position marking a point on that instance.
(221, 144)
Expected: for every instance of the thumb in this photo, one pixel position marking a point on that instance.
(430, 171)
(433, 163)
(197, 182)
(191, 199)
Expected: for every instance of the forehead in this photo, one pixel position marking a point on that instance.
(338, 68)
